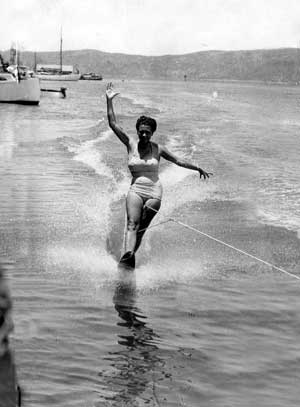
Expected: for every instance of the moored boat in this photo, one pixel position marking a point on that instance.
(21, 89)
(91, 76)
(54, 72)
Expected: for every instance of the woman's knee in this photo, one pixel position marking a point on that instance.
(132, 225)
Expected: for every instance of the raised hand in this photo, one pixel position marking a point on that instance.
(110, 93)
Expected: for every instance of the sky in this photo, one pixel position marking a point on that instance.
(150, 27)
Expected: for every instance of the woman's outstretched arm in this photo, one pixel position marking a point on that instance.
(165, 153)
(110, 94)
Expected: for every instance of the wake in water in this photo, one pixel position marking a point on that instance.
(100, 152)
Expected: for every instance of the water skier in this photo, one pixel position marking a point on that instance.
(145, 193)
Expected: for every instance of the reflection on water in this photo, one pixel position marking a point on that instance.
(137, 365)
(139, 335)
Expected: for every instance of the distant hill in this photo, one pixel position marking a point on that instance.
(275, 65)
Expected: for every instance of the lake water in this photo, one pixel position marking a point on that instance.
(198, 323)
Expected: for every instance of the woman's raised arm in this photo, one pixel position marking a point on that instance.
(110, 94)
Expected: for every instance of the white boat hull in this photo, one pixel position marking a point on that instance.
(26, 91)
(58, 77)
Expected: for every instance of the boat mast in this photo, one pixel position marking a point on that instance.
(35, 62)
(60, 51)
(17, 59)
(13, 54)
(298, 65)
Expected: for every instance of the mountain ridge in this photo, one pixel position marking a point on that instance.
(271, 65)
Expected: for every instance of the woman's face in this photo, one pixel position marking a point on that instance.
(145, 133)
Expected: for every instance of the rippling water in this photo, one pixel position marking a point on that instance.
(197, 323)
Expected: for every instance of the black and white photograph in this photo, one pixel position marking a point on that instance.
(150, 203)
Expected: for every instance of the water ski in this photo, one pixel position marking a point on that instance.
(127, 260)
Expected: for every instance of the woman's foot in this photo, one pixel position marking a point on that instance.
(127, 260)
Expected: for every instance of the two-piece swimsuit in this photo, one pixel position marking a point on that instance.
(145, 181)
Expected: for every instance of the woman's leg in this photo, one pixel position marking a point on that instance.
(134, 208)
(150, 209)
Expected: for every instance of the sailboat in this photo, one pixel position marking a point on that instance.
(53, 72)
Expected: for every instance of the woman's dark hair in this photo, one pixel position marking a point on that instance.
(148, 121)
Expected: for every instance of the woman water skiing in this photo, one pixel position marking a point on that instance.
(145, 193)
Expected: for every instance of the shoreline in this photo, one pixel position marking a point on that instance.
(208, 80)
